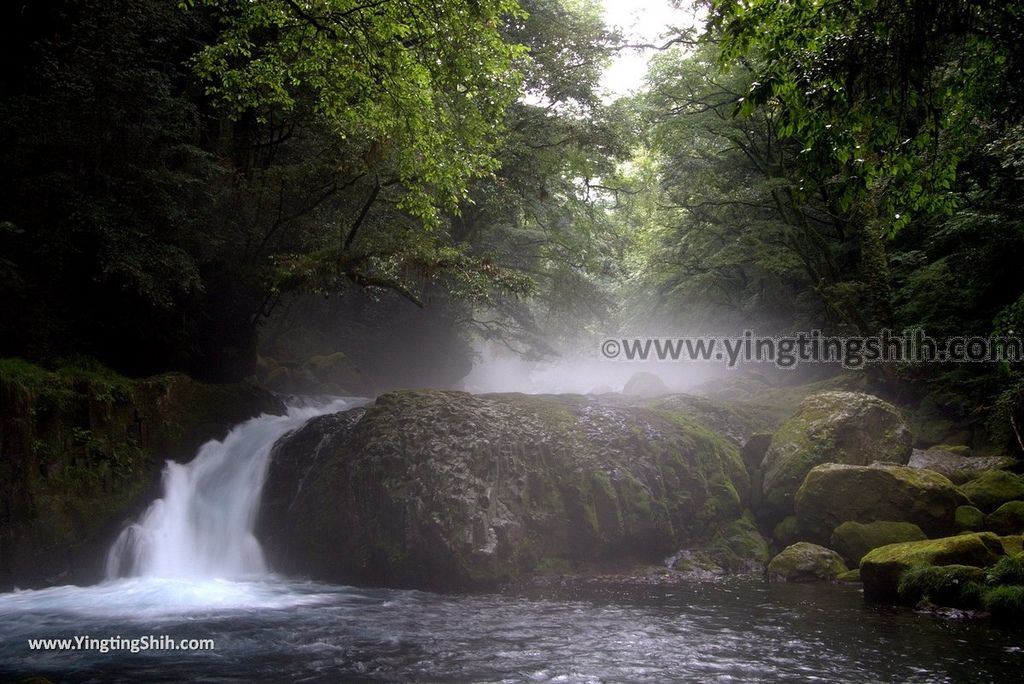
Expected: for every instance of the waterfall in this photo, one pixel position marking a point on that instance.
(202, 526)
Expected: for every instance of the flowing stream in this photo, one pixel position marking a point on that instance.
(190, 568)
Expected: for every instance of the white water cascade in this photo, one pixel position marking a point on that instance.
(202, 527)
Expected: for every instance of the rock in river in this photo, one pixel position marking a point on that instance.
(829, 427)
(448, 490)
(834, 493)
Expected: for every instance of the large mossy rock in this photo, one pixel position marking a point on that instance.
(835, 493)
(881, 569)
(991, 490)
(805, 562)
(449, 490)
(829, 427)
(968, 519)
(736, 548)
(853, 540)
(1008, 519)
(82, 449)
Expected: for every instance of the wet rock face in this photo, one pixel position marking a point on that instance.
(829, 427)
(448, 490)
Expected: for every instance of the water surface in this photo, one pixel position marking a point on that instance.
(279, 630)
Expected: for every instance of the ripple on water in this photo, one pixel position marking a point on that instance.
(276, 630)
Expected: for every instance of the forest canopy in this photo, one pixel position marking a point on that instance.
(178, 175)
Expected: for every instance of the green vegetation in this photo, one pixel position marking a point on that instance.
(999, 590)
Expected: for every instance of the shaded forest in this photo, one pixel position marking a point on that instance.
(207, 184)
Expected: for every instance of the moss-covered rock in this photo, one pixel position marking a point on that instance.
(968, 519)
(805, 562)
(736, 421)
(1008, 519)
(852, 540)
(83, 447)
(447, 490)
(992, 489)
(1013, 544)
(850, 576)
(829, 427)
(735, 548)
(787, 532)
(882, 568)
(834, 493)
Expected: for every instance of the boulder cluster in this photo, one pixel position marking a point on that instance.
(447, 490)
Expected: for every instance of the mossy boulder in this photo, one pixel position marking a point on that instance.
(1008, 519)
(968, 519)
(882, 568)
(852, 540)
(850, 576)
(806, 562)
(447, 490)
(786, 532)
(829, 427)
(82, 450)
(735, 548)
(992, 489)
(835, 493)
(1013, 544)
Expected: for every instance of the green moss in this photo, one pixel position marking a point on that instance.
(1007, 519)
(829, 427)
(992, 489)
(1012, 544)
(851, 576)
(853, 539)
(787, 532)
(882, 568)
(738, 547)
(1006, 604)
(942, 585)
(968, 519)
(1009, 570)
(803, 562)
(835, 493)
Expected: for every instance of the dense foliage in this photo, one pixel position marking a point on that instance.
(179, 176)
(849, 167)
(173, 172)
